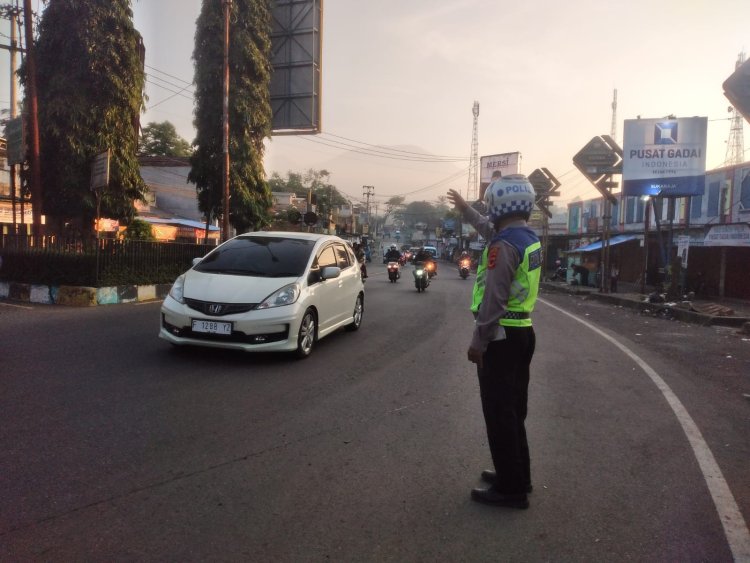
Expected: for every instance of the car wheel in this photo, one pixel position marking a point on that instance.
(359, 309)
(306, 336)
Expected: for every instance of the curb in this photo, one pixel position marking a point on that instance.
(677, 313)
(77, 296)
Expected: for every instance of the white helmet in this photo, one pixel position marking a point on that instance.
(508, 195)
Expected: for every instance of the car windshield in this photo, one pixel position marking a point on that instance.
(272, 257)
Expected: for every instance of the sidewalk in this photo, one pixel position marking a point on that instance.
(713, 310)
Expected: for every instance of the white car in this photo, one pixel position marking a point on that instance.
(266, 291)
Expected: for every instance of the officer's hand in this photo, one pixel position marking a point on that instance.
(475, 356)
(455, 198)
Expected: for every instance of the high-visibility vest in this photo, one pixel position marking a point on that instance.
(525, 286)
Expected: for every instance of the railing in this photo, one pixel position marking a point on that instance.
(91, 262)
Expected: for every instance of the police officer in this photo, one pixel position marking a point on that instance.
(503, 342)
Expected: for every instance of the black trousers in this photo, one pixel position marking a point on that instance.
(504, 389)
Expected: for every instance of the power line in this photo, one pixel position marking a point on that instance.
(375, 153)
(396, 150)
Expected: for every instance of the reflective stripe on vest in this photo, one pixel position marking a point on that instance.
(525, 286)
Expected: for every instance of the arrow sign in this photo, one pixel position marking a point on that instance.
(600, 157)
(542, 205)
(545, 184)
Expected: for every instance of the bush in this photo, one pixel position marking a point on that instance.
(118, 262)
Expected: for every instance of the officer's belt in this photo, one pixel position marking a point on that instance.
(515, 316)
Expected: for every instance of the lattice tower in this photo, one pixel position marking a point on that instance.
(613, 129)
(471, 189)
(735, 145)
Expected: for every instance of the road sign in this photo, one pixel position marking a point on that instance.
(737, 89)
(15, 137)
(100, 171)
(601, 156)
(545, 184)
(543, 206)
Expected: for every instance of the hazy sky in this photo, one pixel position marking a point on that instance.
(405, 74)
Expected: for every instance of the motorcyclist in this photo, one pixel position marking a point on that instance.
(425, 256)
(464, 259)
(393, 255)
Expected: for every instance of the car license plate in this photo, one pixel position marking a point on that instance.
(212, 327)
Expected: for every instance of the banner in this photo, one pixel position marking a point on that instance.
(665, 157)
(507, 163)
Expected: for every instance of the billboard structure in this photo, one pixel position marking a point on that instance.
(296, 59)
(506, 163)
(664, 157)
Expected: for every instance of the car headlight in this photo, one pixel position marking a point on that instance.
(177, 290)
(284, 296)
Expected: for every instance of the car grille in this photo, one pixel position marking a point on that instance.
(236, 336)
(219, 309)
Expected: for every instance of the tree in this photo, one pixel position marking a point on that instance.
(315, 182)
(161, 139)
(90, 92)
(393, 207)
(249, 111)
(138, 229)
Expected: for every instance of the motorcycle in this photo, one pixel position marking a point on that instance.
(561, 274)
(421, 276)
(464, 267)
(431, 268)
(394, 272)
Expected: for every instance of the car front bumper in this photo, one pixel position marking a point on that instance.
(269, 330)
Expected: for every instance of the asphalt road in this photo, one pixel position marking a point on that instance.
(115, 446)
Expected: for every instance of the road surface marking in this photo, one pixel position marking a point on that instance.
(735, 528)
(16, 306)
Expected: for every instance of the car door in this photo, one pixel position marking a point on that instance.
(328, 292)
(350, 278)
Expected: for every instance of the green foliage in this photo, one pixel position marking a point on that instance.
(249, 111)
(90, 92)
(161, 139)
(422, 212)
(316, 181)
(138, 229)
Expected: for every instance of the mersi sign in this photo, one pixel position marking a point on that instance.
(664, 157)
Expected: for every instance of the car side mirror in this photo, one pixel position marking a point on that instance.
(330, 272)
(196, 261)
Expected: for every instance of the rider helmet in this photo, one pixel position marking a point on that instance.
(509, 196)
(393, 247)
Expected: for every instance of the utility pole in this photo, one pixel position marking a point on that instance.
(471, 189)
(34, 164)
(368, 191)
(13, 111)
(227, 6)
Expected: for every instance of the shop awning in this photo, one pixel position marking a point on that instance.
(179, 222)
(618, 239)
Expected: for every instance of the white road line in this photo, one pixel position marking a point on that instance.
(16, 306)
(735, 528)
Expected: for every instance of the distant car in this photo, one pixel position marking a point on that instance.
(432, 250)
(266, 291)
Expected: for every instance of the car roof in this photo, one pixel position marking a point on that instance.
(293, 235)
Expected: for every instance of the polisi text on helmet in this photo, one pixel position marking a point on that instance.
(518, 188)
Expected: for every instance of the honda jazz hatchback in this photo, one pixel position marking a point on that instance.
(266, 291)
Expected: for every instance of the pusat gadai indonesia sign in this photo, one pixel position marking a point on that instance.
(664, 157)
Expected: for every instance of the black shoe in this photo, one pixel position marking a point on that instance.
(492, 497)
(489, 477)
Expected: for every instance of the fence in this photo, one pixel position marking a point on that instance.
(95, 263)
